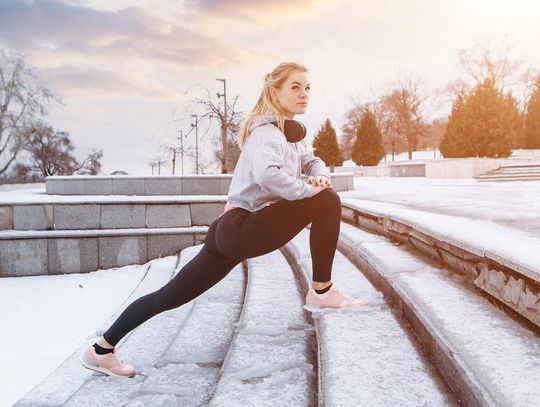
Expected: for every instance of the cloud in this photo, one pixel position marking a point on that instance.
(56, 27)
(267, 13)
(92, 83)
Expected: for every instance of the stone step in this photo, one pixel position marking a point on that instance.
(211, 184)
(366, 357)
(175, 367)
(78, 213)
(518, 172)
(185, 370)
(531, 165)
(486, 357)
(507, 178)
(27, 253)
(270, 362)
(511, 276)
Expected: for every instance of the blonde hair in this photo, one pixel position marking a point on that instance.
(266, 105)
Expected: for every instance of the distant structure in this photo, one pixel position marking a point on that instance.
(119, 173)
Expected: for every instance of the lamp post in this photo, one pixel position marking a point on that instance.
(196, 142)
(181, 138)
(224, 125)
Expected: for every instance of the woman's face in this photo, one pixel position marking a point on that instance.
(293, 96)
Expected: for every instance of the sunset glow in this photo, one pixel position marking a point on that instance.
(123, 67)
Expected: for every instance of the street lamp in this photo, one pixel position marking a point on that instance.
(181, 138)
(224, 124)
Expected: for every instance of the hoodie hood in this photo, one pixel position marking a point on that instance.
(261, 120)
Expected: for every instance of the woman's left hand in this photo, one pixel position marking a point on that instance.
(321, 180)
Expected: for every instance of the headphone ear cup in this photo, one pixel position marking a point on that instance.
(294, 131)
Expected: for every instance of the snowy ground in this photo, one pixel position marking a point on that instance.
(44, 319)
(513, 204)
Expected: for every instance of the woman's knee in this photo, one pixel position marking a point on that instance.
(331, 200)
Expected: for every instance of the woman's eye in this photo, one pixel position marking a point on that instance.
(308, 89)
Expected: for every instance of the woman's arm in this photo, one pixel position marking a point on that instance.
(269, 174)
(311, 165)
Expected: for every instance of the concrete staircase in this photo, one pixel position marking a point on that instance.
(85, 223)
(521, 172)
(55, 235)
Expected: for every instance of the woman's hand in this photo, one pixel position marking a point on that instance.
(319, 183)
(321, 180)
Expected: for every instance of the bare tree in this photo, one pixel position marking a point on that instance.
(22, 100)
(229, 118)
(482, 63)
(91, 165)
(51, 152)
(157, 163)
(401, 112)
(528, 80)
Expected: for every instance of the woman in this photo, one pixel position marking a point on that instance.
(267, 205)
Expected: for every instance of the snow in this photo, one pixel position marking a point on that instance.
(495, 234)
(44, 318)
(175, 367)
(12, 187)
(365, 354)
(269, 362)
(38, 196)
(47, 318)
(513, 204)
(499, 353)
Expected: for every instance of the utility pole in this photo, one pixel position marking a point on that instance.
(181, 149)
(196, 142)
(224, 121)
(173, 159)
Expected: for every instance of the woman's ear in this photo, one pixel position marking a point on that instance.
(273, 94)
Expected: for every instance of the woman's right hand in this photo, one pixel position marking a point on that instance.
(317, 186)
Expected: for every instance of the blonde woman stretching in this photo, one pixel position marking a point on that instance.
(267, 205)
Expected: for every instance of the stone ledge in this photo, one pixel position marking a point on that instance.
(111, 215)
(211, 184)
(80, 251)
(507, 280)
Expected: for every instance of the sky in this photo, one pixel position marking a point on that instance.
(129, 71)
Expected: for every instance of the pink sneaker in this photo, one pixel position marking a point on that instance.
(108, 364)
(333, 298)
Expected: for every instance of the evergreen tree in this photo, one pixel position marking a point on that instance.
(517, 122)
(482, 124)
(532, 119)
(453, 144)
(326, 145)
(368, 147)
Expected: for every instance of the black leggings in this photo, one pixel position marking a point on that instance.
(235, 236)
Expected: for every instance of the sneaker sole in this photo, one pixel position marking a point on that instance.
(315, 308)
(103, 370)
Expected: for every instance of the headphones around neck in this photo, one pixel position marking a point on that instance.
(294, 131)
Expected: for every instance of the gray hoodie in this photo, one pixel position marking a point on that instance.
(269, 169)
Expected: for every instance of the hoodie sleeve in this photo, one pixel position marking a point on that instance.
(268, 173)
(312, 165)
